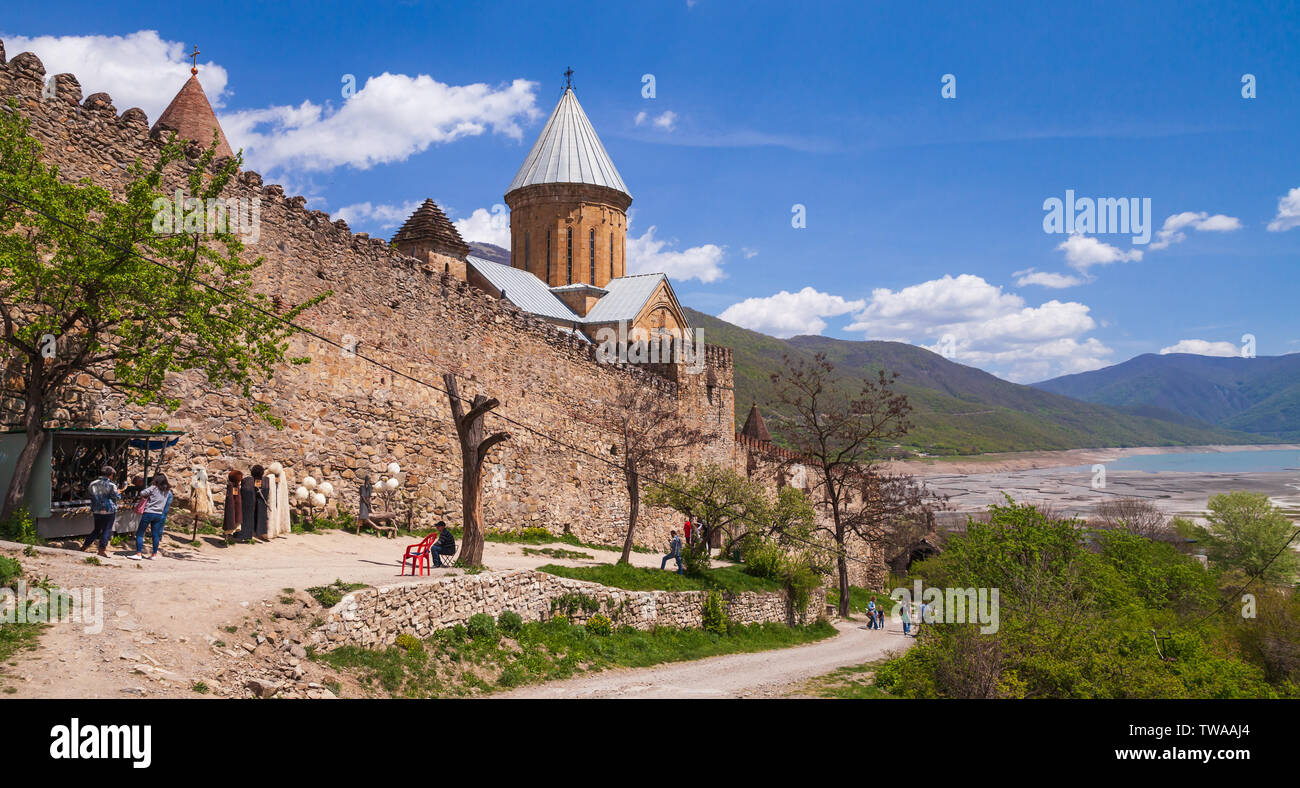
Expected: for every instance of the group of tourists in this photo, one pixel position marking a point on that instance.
(875, 616)
(152, 503)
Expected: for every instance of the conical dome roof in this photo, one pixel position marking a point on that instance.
(755, 427)
(191, 117)
(429, 223)
(568, 152)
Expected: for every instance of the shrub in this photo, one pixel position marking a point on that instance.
(10, 571)
(715, 613)
(512, 676)
(510, 622)
(481, 626)
(19, 527)
(763, 559)
(410, 644)
(695, 559)
(600, 625)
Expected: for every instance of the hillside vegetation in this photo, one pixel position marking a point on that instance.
(957, 409)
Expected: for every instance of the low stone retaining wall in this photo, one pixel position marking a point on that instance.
(374, 617)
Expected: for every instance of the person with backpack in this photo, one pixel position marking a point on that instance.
(104, 498)
(153, 506)
(871, 614)
(675, 552)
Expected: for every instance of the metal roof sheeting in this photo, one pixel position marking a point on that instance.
(568, 151)
(625, 299)
(627, 295)
(523, 289)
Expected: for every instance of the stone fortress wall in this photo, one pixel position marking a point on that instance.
(374, 617)
(345, 417)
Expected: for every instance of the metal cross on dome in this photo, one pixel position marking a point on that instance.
(568, 78)
(194, 61)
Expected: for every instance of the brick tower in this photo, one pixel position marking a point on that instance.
(568, 204)
(190, 115)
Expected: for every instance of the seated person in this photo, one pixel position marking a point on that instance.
(446, 544)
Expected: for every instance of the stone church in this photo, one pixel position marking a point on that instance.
(568, 238)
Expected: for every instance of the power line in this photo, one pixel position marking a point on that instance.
(322, 338)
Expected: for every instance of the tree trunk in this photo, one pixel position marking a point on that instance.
(842, 564)
(36, 437)
(473, 448)
(633, 512)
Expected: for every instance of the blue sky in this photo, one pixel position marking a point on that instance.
(924, 215)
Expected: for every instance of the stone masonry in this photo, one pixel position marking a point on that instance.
(374, 617)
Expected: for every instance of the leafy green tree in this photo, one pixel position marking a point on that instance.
(78, 300)
(1246, 532)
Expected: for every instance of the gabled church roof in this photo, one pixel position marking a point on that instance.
(190, 115)
(754, 427)
(625, 296)
(568, 151)
(429, 223)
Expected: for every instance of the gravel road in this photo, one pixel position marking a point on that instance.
(760, 675)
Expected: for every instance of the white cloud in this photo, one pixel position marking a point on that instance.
(749, 253)
(392, 117)
(485, 226)
(136, 70)
(1044, 279)
(382, 216)
(666, 120)
(1288, 212)
(1084, 251)
(647, 255)
(984, 326)
(1202, 347)
(1172, 231)
(640, 117)
(789, 314)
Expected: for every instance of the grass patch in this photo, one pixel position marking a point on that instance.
(854, 682)
(23, 636)
(635, 578)
(332, 594)
(558, 552)
(543, 536)
(452, 663)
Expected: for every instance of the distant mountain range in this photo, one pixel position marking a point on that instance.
(1260, 396)
(956, 409)
(490, 252)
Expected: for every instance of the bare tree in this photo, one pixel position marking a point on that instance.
(651, 438)
(842, 438)
(1137, 516)
(473, 450)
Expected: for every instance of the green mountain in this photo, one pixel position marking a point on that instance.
(1254, 395)
(956, 409)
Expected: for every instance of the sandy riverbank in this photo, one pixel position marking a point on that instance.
(1032, 460)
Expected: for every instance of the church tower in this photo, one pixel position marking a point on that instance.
(568, 204)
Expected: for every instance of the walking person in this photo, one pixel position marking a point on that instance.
(256, 506)
(104, 498)
(674, 552)
(880, 617)
(689, 529)
(906, 615)
(871, 614)
(157, 498)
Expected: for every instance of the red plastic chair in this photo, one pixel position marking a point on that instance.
(418, 554)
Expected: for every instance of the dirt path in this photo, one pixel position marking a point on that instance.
(763, 674)
(160, 618)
